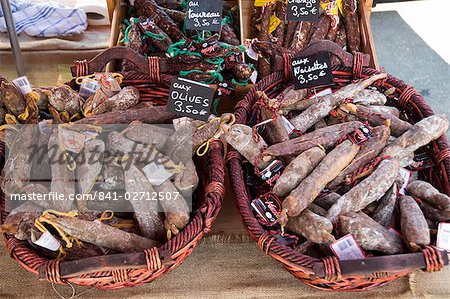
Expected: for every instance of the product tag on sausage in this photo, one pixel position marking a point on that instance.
(47, 241)
(259, 3)
(406, 176)
(156, 173)
(274, 22)
(267, 208)
(322, 93)
(204, 15)
(346, 248)
(23, 84)
(107, 83)
(422, 161)
(285, 239)
(254, 77)
(272, 172)
(249, 50)
(181, 122)
(360, 136)
(71, 141)
(287, 124)
(232, 60)
(87, 89)
(303, 10)
(443, 236)
(226, 89)
(311, 71)
(190, 98)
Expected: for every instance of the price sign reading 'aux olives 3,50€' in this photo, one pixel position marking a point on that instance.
(204, 15)
(311, 71)
(190, 98)
(303, 10)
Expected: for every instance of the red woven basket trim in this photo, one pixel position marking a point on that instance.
(443, 155)
(264, 242)
(332, 268)
(154, 70)
(358, 59)
(52, 272)
(153, 260)
(81, 68)
(119, 275)
(433, 259)
(405, 96)
(215, 187)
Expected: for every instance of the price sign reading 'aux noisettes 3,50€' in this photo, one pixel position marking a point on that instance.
(190, 98)
(311, 71)
(204, 15)
(303, 10)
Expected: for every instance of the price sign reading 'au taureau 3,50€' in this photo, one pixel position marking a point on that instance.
(190, 98)
(311, 71)
(204, 15)
(303, 10)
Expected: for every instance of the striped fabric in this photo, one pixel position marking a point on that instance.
(45, 20)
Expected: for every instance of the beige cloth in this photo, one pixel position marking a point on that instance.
(94, 38)
(219, 270)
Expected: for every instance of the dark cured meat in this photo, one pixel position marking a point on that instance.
(351, 23)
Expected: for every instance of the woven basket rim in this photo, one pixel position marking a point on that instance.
(301, 265)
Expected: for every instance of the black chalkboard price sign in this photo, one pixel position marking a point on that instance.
(204, 15)
(190, 98)
(313, 70)
(303, 10)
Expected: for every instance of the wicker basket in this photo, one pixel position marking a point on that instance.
(131, 269)
(328, 273)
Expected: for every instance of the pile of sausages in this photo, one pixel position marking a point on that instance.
(345, 154)
(157, 30)
(290, 37)
(126, 210)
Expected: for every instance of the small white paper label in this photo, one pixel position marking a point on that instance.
(323, 93)
(254, 77)
(71, 141)
(181, 122)
(23, 84)
(443, 236)
(249, 50)
(346, 248)
(287, 124)
(156, 173)
(48, 241)
(88, 89)
(406, 175)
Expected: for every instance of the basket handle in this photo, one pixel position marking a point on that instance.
(391, 264)
(121, 261)
(344, 57)
(98, 63)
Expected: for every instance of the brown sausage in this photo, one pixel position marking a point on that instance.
(298, 170)
(428, 193)
(301, 197)
(367, 191)
(369, 234)
(414, 226)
